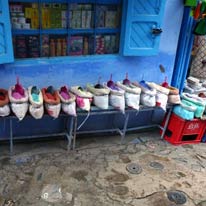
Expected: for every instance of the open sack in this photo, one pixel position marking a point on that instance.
(100, 95)
(4, 103)
(83, 97)
(148, 94)
(18, 97)
(132, 94)
(36, 107)
(67, 101)
(195, 101)
(161, 95)
(52, 101)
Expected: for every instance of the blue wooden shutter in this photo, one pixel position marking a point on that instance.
(6, 49)
(140, 30)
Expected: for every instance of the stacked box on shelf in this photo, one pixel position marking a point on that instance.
(57, 46)
(45, 11)
(76, 45)
(80, 16)
(100, 16)
(107, 16)
(35, 17)
(100, 47)
(33, 46)
(88, 45)
(76, 19)
(86, 14)
(45, 46)
(24, 16)
(21, 46)
(64, 19)
(54, 15)
(85, 45)
(110, 44)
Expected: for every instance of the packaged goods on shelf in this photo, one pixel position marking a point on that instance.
(46, 23)
(110, 19)
(33, 46)
(64, 19)
(100, 17)
(45, 45)
(76, 19)
(76, 45)
(88, 19)
(99, 45)
(24, 16)
(83, 20)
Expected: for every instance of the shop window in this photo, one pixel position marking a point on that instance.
(46, 28)
(64, 28)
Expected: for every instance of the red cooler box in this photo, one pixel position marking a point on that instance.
(180, 131)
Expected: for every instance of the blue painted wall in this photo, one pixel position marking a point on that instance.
(80, 70)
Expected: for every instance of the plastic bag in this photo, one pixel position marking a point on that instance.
(69, 108)
(52, 193)
(147, 100)
(53, 110)
(117, 101)
(102, 101)
(4, 110)
(20, 109)
(185, 110)
(132, 100)
(36, 112)
(161, 100)
(83, 103)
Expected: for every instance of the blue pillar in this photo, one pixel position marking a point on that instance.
(184, 49)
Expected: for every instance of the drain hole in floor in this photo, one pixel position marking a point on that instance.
(177, 197)
(134, 168)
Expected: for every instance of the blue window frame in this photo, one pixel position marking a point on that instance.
(6, 49)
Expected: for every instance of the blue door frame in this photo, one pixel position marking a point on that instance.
(184, 49)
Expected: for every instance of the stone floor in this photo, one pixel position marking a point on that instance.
(101, 172)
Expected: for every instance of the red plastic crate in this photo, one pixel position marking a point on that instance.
(180, 131)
